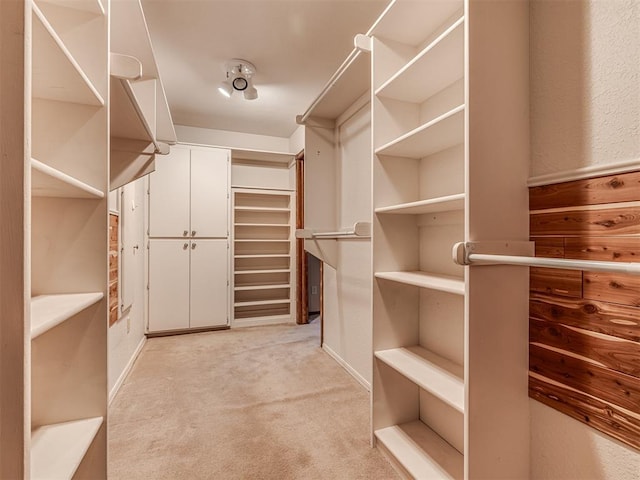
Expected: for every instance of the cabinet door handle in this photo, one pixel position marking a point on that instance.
(185, 233)
(193, 246)
(193, 233)
(185, 246)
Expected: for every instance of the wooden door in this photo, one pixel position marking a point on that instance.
(209, 193)
(168, 284)
(209, 283)
(169, 195)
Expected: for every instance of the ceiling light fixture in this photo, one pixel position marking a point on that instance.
(239, 75)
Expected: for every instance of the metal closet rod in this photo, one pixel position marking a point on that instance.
(463, 255)
(359, 230)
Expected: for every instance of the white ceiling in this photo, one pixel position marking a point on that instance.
(296, 45)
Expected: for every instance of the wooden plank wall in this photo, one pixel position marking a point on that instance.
(113, 268)
(584, 327)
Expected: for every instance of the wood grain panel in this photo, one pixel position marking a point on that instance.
(549, 247)
(566, 283)
(603, 383)
(611, 287)
(610, 221)
(113, 268)
(607, 249)
(617, 320)
(616, 354)
(609, 189)
(600, 415)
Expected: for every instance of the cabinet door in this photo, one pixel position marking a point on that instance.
(169, 195)
(209, 192)
(168, 284)
(209, 283)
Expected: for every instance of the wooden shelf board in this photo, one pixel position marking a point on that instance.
(261, 302)
(277, 255)
(56, 74)
(90, 6)
(421, 451)
(57, 450)
(261, 225)
(443, 283)
(433, 373)
(273, 270)
(262, 286)
(262, 209)
(440, 204)
(439, 134)
(46, 181)
(48, 311)
(436, 67)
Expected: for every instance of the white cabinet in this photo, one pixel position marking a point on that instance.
(188, 284)
(189, 193)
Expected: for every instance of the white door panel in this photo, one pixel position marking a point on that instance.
(209, 190)
(209, 289)
(169, 197)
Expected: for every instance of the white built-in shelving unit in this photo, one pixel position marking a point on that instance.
(449, 103)
(262, 256)
(69, 164)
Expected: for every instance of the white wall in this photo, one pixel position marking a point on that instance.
(585, 111)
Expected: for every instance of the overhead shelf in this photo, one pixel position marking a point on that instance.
(433, 373)
(442, 283)
(90, 6)
(439, 204)
(47, 181)
(421, 451)
(439, 134)
(57, 450)
(56, 75)
(48, 311)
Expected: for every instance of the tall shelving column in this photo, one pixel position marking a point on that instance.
(67, 407)
(262, 249)
(448, 346)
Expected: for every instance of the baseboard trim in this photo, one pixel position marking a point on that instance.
(347, 367)
(582, 173)
(127, 369)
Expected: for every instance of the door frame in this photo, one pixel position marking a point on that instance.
(302, 309)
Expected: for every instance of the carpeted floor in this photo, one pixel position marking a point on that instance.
(254, 403)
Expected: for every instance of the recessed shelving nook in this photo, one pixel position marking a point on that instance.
(449, 165)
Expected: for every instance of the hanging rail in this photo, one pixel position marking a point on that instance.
(362, 43)
(359, 230)
(463, 254)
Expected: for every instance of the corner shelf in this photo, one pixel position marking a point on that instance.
(48, 311)
(57, 450)
(421, 452)
(439, 376)
(443, 283)
(440, 204)
(56, 74)
(94, 7)
(47, 181)
(439, 134)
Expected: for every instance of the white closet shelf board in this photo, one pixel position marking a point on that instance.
(421, 451)
(57, 450)
(436, 67)
(431, 372)
(275, 255)
(56, 74)
(46, 181)
(273, 270)
(130, 36)
(48, 311)
(90, 6)
(439, 134)
(262, 156)
(261, 225)
(261, 240)
(442, 283)
(440, 204)
(128, 119)
(262, 209)
(409, 22)
(261, 302)
(263, 286)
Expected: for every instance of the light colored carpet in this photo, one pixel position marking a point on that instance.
(255, 403)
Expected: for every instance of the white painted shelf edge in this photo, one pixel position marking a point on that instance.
(273, 270)
(283, 255)
(443, 283)
(47, 181)
(262, 209)
(95, 97)
(261, 240)
(48, 311)
(439, 204)
(57, 450)
(264, 286)
(261, 225)
(431, 372)
(421, 451)
(90, 6)
(261, 302)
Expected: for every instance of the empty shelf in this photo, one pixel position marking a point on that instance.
(443, 283)
(272, 270)
(261, 302)
(57, 450)
(261, 240)
(440, 204)
(276, 255)
(439, 134)
(421, 451)
(262, 209)
(431, 372)
(90, 6)
(261, 225)
(56, 74)
(46, 181)
(263, 286)
(47, 311)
